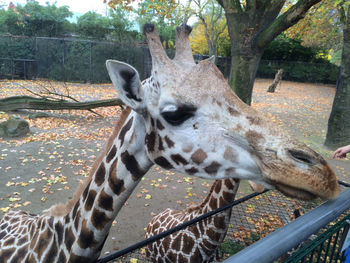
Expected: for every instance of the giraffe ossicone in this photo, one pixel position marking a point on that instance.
(184, 117)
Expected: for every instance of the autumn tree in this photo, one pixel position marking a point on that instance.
(210, 15)
(339, 121)
(320, 28)
(252, 25)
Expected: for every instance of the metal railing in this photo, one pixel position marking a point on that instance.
(286, 238)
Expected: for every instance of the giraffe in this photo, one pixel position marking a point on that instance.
(198, 242)
(184, 118)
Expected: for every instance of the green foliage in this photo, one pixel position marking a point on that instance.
(32, 19)
(325, 72)
(288, 49)
(231, 246)
(93, 25)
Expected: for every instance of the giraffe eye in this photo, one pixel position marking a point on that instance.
(180, 115)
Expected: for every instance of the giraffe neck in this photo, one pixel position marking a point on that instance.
(221, 193)
(119, 171)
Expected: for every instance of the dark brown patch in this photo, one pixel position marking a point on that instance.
(86, 192)
(160, 143)
(124, 130)
(213, 235)
(218, 186)
(116, 185)
(132, 165)
(169, 142)
(198, 156)
(20, 254)
(213, 203)
(59, 232)
(105, 201)
(90, 200)
(188, 244)
(9, 241)
(178, 159)
(86, 238)
(62, 257)
(22, 240)
(219, 222)
(160, 125)
(181, 258)
(212, 168)
(197, 256)
(69, 238)
(6, 254)
(99, 219)
(208, 244)
(77, 221)
(253, 137)
(172, 256)
(111, 154)
(163, 162)
(51, 254)
(78, 259)
(233, 111)
(228, 196)
(100, 174)
(254, 120)
(43, 242)
(191, 171)
(150, 141)
(75, 209)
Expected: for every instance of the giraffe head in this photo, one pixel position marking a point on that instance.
(195, 124)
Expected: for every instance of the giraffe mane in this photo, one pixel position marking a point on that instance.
(63, 209)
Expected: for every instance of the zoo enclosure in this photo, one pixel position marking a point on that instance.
(278, 245)
(76, 60)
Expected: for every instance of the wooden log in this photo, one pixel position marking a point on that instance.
(28, 102)
(276, 81)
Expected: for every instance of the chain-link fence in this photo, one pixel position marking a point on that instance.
(76, 60)
(252, 218)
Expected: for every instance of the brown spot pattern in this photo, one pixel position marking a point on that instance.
(86, 238)
(178, 159)
(163, 162)
(169, 142)
(212, 168)
(111, 153)
(100, 174)
(90, 200)
(198, 156)
(132, 165)
(124, 130)
(150, 141)
(233, 111)
(99, 219)
(105, 201)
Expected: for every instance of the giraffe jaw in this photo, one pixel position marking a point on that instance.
(295, 192)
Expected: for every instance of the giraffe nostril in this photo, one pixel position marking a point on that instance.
(301, 156)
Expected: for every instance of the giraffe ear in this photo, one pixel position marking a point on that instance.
(127, 82)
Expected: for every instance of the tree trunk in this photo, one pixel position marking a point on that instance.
(338, 133)
(27, 102)
(242, 74)
(252, 26)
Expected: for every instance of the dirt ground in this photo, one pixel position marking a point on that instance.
(45, 167)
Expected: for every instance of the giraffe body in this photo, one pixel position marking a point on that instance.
(184, 118)
(199, 242)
